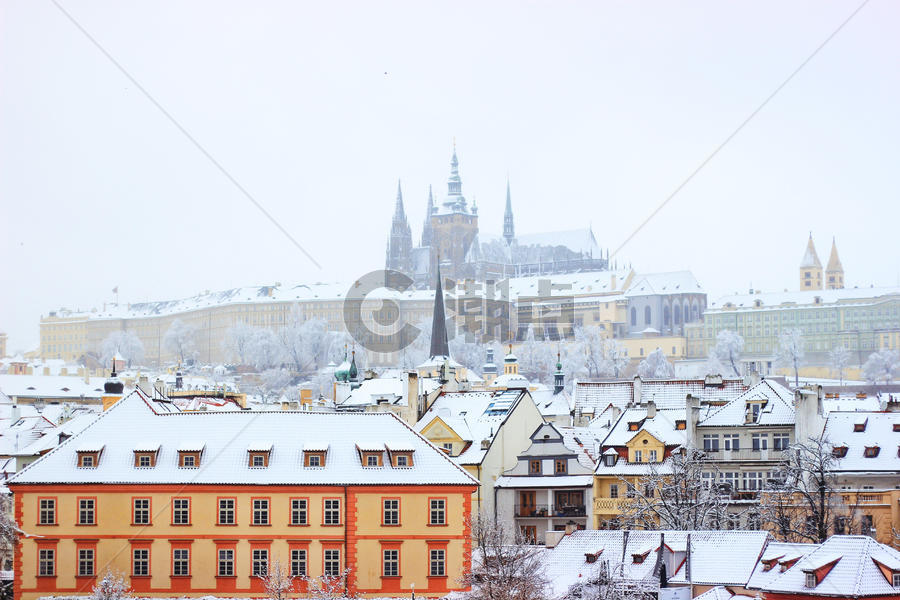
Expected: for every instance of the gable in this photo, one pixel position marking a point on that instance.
(437, 429)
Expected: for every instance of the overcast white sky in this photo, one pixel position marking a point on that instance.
(596, 110)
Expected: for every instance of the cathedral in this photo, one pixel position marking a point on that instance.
(450, 235)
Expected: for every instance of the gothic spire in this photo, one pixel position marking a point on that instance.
(455, 201)
(439, 344)
(509, 230)
(399, 213)
(427, 234)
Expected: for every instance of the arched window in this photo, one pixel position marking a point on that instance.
(695, 311)
(677, 310)
(647, 315)
(633, 316)
(667, 315)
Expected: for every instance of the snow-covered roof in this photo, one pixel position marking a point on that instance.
(555, 481)
(854, 575)
(777, 407)
(259, 446)
(191, 446)
(593, 397)
(879, 430)
(315, 446)
(720, 592)
(550, 404)
(662, 426)
(90, 446)
(146, 446)
(226, 436)
(51, 386)
(675, 282)
(801, 298)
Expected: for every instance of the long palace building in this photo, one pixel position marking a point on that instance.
(203, 503)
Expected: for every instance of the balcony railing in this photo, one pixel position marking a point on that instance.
(544, 510)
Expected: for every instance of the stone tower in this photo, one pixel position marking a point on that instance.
(834, 271)
(454, 226)
(509, 229)
(399, 246)
(810, 268)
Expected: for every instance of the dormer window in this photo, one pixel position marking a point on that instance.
(896, 426)
(401, 454)
(189, 454)
(871, 451)
(769, 563)
(895, 579)
(860, 425)
(145, 455)
(634, 426)
(787, 563)
(89, 455)
(610, 460)
(591, 557)
(258, 454)
(640, 557)
(811, 580)
(839, 451)
(680, 425)
(314, 454)
(371, 455)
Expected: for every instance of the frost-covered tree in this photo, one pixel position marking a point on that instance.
(272, 384)
(237, 342)
(469, 354)
(614, 359)
(505, 565)
(591, 342)
(9, 535)
(278, 581)
(180, 340)
(574, 363)
(790, 351)
(655, 366)
(608, 580)
(674, 495)
(839, 358)
(126, 343)
(803, 498)
(536, 357)
(329, 587)
(727, 351)
(112, 586)
(265, 350)
(881, 366)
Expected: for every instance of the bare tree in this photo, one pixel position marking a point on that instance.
(238, 339)
(272, 383)
(591, 342)
(9, 536)
(614, 358)
(674, 494)
(803, 499)
(840, 358)
(126, 343)
(504, 566)
(265, 350)
(608, 581)
(882, 365)
(536, 357)
(655, 366)
(278, 581)
(180, 340)
(790, 351)
(727, 351)
(112, 586)
(329, 587)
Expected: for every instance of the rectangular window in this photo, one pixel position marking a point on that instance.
(140, 514)
(85, 562)
(391, 563)
(260, 559)
(226, 562)
(732, 441)
(391, 512)
(437, 511)
(711, 442)
(47, 511)
(181, 511)
(371, 460)
(181, 562)
(87, 511)
(438, 562)
(299, 511)
(613, 490)
(652, 455)
(298, 563)
(226, 511)
(534, 467)
(332, 563)
(140, 562)
(46, 562)
(331, 514)
(780, 441)
(560, 466)
(638, 456)
(760, 441)
(260, 511)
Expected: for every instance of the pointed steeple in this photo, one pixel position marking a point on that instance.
(399, 213)
(440, 345)
(509, 230)
(834, 263)
(399, 248)
(810, 268)
(455, 202)
(834, 272)
(810, 257)
(427, 231)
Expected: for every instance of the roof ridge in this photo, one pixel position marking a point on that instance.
(435, 448)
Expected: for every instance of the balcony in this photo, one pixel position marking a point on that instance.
(609, 505)
(744, 454)
(545, 511)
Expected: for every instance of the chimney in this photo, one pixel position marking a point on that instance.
(159, 387)
(412, 396)
(15, 412)
(571, 527)
(809, 415)
(651, 409)
(693, 417)
(552, 538)
(636, 390)
(144, 384)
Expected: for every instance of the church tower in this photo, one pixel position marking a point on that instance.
(454, 226)
(427, 232)
(810, 268)
(834, 271)
(509, 230)
(399, 245)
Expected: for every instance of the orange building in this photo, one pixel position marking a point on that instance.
(193, 504)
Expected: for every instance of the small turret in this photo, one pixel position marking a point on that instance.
(559, 378)
(113, 388)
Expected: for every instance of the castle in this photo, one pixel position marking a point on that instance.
(450, 234)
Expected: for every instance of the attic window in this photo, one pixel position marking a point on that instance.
(145, 458)
(639, 558)
(591, 557)
(634, 426)
(314, 454)
(860, 425)
(896, 426)
(811, 580)
(88, 460)
(610, 460)
(258, 459)
(871, 451)
(895, 579)
(839, 451)
(769, 563)
(371, 455)
(788, 563)
(680, 424)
